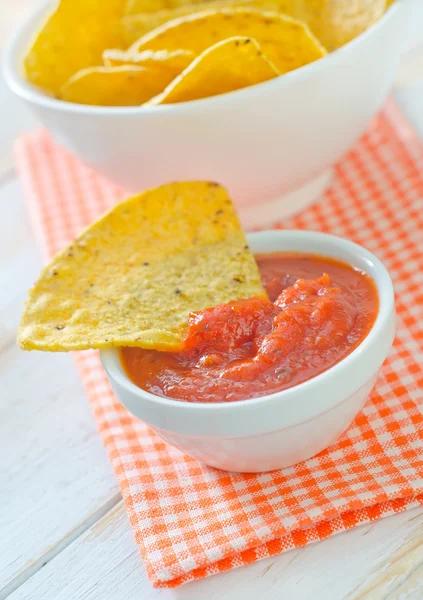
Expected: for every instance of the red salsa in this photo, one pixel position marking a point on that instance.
(318, 311)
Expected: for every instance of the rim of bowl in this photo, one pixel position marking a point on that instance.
(31, 93)
(112, 364)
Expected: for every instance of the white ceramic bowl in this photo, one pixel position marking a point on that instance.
(285, 428)
(272, 144)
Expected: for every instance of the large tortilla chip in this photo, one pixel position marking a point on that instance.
(336, 22)
(230, 65)
(135, 26)
(134, 7)
(286, 42)
(73, 37)
(171, 62)
(115, 86)
(133, 277)
(333, 22)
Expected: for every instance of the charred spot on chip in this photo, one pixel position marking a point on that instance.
(219, 212)
(178, 291)
(55, 273)
(60, 327)
(146, 263)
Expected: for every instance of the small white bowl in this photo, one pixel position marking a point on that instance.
(271, 145)
(282, 429)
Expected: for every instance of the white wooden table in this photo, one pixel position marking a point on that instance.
(64, 534)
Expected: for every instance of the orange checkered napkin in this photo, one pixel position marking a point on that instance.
(191, 521)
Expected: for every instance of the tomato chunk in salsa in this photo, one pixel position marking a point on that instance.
(318, 311)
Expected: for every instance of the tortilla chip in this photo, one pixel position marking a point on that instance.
(73, 37)
(172, 62)
(338, 22)
(135, 26)
(115, 86)
(134, 7)
(230, 65)
(333, 22)
(286, 42)
(133, 277)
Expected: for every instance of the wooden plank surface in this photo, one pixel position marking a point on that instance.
(401, 575)
(55, 479)
(104, 563)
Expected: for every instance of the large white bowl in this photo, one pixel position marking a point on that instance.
(272, 144)
(285, 428)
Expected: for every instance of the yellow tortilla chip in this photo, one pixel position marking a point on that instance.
(337, 22)
(133, 277)
(115, 86)
(230, 65)
(333, 22)
(172, 62)
(73, 37)
(136, 25)
(134, 7)
(286, 42)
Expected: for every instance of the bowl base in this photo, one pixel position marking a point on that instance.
(278, 449)
(275, 209)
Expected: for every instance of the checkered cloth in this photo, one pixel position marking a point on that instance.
(191, 521)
